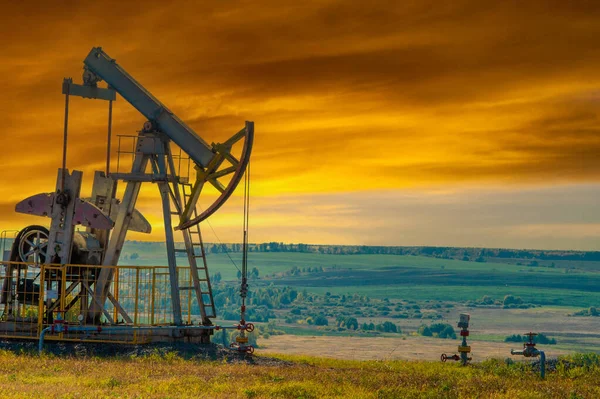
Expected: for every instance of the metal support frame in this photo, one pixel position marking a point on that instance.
(117, 238)
(60, 239)
(165, 194)
(152, 149)
(153, 157)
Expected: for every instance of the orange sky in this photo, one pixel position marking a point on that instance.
(356, 105)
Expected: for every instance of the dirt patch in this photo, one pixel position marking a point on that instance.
(383, 348)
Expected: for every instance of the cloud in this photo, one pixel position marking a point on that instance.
(347, 97)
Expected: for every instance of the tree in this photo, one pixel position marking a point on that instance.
(134, 256)
(387, 326)
(447, 332)
(425, 331)
(321, 320)
(509, 299)
(352, 323)
(487, 300)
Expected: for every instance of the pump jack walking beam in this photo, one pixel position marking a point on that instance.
(162, 127)
(99, 66)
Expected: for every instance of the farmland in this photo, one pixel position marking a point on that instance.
(290, 290)
(407, 277)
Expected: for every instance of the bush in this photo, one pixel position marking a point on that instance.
(388, 326)
(441, 330)
(543, 339)
(349, 322)
(425, 331)
(539, 339)
(514, 338)
(486, 300)
(447, 332)
(591, 311)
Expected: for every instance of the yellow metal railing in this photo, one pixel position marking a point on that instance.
(32, 297)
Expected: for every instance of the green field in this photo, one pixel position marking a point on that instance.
(440, 288)
(405, 277)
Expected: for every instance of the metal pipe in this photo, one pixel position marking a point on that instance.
(542, 364)
(41, 341)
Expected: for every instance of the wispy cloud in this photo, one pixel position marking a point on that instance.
(347, 97)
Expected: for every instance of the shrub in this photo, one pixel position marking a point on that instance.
(387, 326)
(425, 331)
(539, 339)
(447, 332)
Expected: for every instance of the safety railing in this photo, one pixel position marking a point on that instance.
(33, 297)
(127, 148)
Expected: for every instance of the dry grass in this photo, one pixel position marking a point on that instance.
(387, 348)
(26, 376)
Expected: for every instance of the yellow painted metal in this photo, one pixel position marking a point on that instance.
(139, 292)
(189, 304)
(40, 301)
(465, 349)
(152, 297)
(137, 296)
(241, 340)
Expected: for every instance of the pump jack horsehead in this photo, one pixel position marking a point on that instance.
(77, 270)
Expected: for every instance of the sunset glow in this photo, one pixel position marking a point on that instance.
(382, 123)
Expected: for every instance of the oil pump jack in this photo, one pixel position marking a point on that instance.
(76, 270)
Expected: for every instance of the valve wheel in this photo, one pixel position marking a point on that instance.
(443, 358)
(249, 349)
(32, 244)
(249, 327)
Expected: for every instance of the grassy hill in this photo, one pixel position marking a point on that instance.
(169, 376)
(294, 289)
(406, 276)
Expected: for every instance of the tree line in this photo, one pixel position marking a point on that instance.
(470, 254)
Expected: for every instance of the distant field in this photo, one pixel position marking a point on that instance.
(405, 277)
(560, 290)
(387, 348)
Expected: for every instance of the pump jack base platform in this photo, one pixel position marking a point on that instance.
(20, 330)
